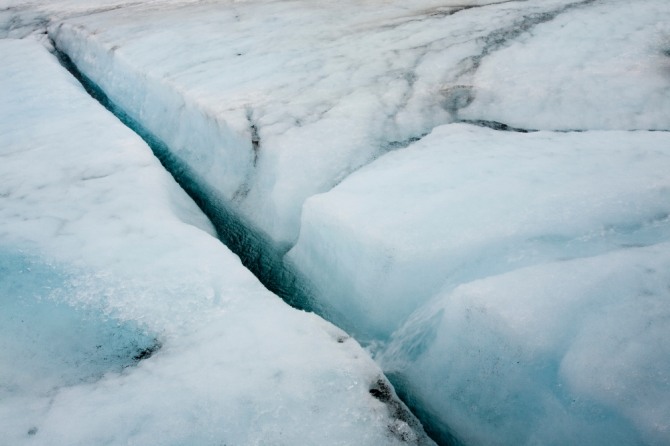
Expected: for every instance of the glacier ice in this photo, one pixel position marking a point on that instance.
(467, 202)
(46, 342)
(521, 278)
(567, 352)
(271, 102)
(601, 67)
(124, 321)
(515, 280)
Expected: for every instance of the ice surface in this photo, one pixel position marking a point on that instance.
(528, 275)
(46, 342)
(571, 352)
(19, 18)
(124, 321)
(466, 202)
(605, 66)
(271, 102)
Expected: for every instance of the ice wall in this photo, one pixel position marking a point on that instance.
(519, 275)
(272, 102)
(124, 321)
(525, 273)
(467, 202)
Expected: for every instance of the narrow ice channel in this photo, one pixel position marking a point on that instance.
(256, 251)
(104, 259)
(261, 256)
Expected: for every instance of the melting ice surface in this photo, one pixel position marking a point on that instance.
(124, 321)
(47, 342)
(517, 282)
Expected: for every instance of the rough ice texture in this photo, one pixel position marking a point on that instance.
(467, 202)
(536, 268)
(271, 102)
(571, 352)
(605, 66)
(123, 321)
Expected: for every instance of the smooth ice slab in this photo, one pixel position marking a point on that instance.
(572, 352)
(467, 202)
(124, 321)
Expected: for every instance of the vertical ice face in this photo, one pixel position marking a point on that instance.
(465, 203)
(522, 275)
(123, 320)
(521, 279)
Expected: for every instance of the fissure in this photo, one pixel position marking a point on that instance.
(258, 254)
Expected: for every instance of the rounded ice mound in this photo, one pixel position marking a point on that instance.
(570, 352)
